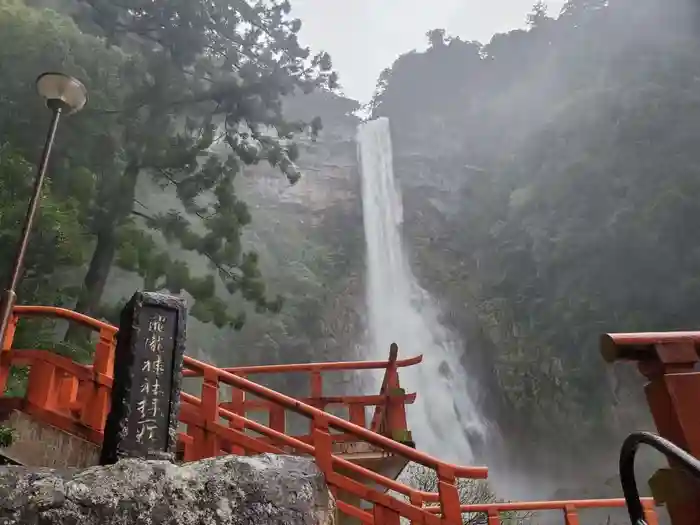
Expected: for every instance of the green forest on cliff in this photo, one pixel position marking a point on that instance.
(550, 180)
(574, 147)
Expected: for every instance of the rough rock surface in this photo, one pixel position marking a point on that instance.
(260, 490)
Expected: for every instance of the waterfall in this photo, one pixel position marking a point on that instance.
(444, 420)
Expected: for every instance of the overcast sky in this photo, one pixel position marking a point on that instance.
(365, 36)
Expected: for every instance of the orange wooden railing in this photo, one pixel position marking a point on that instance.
(569, 508)
(75, 398)
(389, 417)
(64, 393)
(669, 361)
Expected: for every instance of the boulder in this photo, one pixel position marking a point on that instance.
(235, 490)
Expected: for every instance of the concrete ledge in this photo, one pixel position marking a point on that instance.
(37, 444)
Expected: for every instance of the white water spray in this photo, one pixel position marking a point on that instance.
(444, 420)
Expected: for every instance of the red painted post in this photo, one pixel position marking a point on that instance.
(209, 441)
(5, 364)
(237, 406)
(650, 513)
(316, 388)
(278, 419)
(323, 444)
(96, 407)
(449, 496)
(68, 391)
(570, 515)
(394, 410)
(385, 516)
(494, 517)
(358, 415)
(42, 385)
(668, 361)
(10, 332)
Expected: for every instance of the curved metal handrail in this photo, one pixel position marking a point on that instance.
(627, 479)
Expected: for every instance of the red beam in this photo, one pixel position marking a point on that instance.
(256, 404)
(640, 346)
(547, 505)
(63, 313)
(311, 367)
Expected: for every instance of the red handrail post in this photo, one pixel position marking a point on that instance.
(389, 418)
(357, 414)
(10, 332)
(668, 361)
(386, 516)
(570, 515)
(396, 426)
(315, 393)
(96, 406)
(209, 445)
(449, 495)
(5, 361)
(42, 385)
(237, 406)
(323, 444)
(650, 514)
(68, 391)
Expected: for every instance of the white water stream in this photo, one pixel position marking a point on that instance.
(444, 420)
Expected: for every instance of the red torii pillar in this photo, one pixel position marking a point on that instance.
(668, 360)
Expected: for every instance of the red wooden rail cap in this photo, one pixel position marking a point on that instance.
(63, 313)
(641, 346)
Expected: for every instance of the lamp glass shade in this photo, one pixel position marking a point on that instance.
(69, 91)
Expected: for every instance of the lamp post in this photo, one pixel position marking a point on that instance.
(64, 95)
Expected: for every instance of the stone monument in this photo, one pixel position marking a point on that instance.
(143, 419)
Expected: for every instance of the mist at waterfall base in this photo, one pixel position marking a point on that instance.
(444, 420)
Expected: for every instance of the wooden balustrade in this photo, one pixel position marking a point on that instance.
(206, 437)
(570, 509)
(75, 398)
(389, 414)
(61, 392)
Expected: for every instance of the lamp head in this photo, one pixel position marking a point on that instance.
(62, 91)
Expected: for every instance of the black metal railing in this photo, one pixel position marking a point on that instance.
(627, 455)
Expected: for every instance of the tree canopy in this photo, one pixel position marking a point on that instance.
(182, 95)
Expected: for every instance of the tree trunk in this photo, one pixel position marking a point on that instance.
(94, 282)
(98, 272)
(105, 250)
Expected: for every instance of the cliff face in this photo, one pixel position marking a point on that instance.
(311, 250)
(231, 490)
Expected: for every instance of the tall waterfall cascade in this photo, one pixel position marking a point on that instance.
(444, 420)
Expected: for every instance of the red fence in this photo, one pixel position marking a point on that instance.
(670, 362)
(76, 397)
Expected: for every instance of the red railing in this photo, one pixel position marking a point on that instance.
(670, 362)
(75, 398)
(569, 508)
(69, 396)
(389, 417)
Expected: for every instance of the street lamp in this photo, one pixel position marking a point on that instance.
(64, 95)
